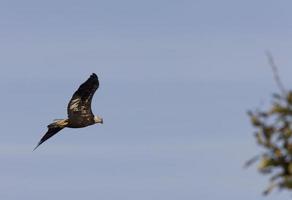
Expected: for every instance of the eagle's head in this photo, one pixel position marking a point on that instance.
(98, 119)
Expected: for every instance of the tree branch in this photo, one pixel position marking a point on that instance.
(275, 72)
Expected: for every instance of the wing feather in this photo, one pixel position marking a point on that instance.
(51, 131)
(80, 103)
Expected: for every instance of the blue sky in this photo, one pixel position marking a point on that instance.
(177, 78)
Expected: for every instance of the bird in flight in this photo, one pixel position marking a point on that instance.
(79, 110)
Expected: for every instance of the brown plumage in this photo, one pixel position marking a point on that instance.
(79, 110)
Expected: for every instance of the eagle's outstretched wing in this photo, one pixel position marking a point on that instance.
(51, 131)
(80, 103)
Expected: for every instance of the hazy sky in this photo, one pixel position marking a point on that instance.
(177, 78)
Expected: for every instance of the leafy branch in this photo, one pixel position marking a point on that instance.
(273, 132)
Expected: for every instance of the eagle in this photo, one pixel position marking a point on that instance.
(79, 110)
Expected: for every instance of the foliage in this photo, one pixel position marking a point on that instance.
(274, 134)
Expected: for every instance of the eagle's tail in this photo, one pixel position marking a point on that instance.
(59, 123)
